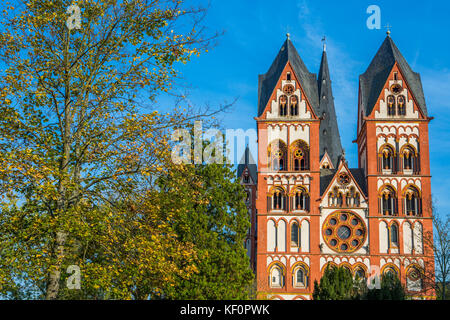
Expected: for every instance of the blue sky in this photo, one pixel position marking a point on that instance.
(255, 31)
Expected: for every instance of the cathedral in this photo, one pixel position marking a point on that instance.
(309, 208)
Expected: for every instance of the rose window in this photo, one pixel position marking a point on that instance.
(298, 154)
(278, 154)
(288, 89)
(344, 231)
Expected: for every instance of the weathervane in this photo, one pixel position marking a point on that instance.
(324, 40)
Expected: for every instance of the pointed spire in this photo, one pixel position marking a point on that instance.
(268, 81)
(247, 161)
(373, 80)
(329, 139)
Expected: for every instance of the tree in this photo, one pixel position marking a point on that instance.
(335, 284)
(77, 140)
(212, 216)
(437, 275)
(391, 288)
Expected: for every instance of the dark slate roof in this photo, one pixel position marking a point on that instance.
(376, 75)
(329, 139)
(247, 161)
(268, 81)
(360, 179)
(326, 175)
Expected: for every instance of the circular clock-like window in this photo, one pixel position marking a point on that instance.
(396, 88)
(414, 274)
(344, 179)
(288, 89)
(344, 231)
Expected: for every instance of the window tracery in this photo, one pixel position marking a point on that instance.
(300, 156)
(277, 155)
(344, 231)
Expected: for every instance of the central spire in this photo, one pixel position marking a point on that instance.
(329, 139)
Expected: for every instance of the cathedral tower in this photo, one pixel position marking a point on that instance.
(392, 138)
(312, 209)
(288, 177)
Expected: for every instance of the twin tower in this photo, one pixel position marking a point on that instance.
(309, 209)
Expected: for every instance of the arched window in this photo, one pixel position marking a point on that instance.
(401, 105)
(394, 235)
(414, 278)
(276, 277)
(295, 235)
(360, 274)
(300, 155)
(388, 201)
(300, 277)
(412, 201)
(335, 198)
(410, 159)
(294, 105)
(340, 199)
(277, 199)
(352, 198)
(277, 155)
(391, 106)
(386, 159)
(357, 200)
(390, 270)
(301, 199)
(283, 106)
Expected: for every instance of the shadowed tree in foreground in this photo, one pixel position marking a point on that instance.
(79, 146)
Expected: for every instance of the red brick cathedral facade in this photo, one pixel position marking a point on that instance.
(309, 208)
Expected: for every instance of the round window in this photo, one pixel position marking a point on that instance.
(344, 231)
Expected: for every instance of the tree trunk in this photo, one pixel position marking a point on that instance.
(55, 275)
(61, 236)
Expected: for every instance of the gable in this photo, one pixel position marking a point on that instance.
(373, 80)
(268, 81)
(271, 110)
(325, 162)
(329, 179)
(412, 110)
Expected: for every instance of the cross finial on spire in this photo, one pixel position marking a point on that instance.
(288, 35)
(324, 40)
(388, 31)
